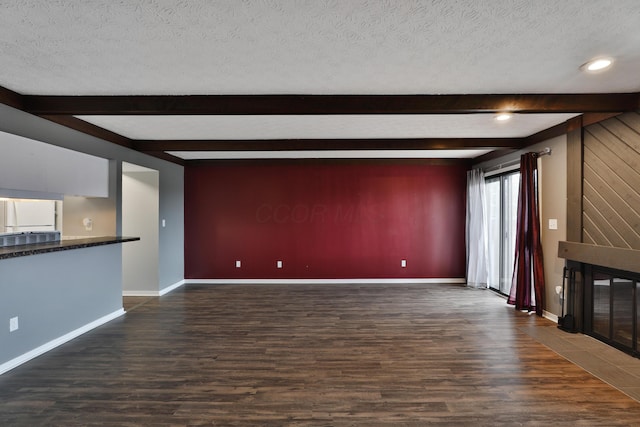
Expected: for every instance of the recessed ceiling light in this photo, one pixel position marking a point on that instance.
(501, 117)
(597, 64)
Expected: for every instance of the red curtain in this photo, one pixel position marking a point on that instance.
(527, 285)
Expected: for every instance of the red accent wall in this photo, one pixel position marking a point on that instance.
(324, 220)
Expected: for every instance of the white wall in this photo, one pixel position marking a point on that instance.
(2, 219)
(102, 212)
(34, 166)
(552, 172)
(54, 295)
(140, 217)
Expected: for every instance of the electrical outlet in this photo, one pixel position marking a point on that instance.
(279, 264)
(238, 264)
(403, 263)
(553, 224)
(164, 223)
(13, 324)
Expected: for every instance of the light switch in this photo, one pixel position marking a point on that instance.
(13, 324)
(553, 224)
(164, 223)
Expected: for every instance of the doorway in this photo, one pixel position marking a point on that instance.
(140, 213)
(502, 214)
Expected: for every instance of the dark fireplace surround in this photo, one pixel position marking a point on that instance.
(603, 300)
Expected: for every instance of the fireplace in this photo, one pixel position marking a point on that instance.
(606, 292)
(611, 307)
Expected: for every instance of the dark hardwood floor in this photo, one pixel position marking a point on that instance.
(312, 355)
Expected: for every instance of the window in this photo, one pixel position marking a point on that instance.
(502, 211)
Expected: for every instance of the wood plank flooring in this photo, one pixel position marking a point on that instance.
(312, 355)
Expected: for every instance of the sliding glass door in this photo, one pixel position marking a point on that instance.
(502, 210)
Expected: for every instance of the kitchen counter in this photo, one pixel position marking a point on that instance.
(63, 245)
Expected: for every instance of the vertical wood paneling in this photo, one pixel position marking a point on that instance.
(574, 181)
(611, 182)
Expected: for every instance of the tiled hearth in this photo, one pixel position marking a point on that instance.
(612, 366)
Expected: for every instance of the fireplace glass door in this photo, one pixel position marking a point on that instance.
(615, 304)
(602, 305)
(622, 320)
(637, 316)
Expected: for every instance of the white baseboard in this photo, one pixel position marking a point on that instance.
(319, 281)
(140, 293)
(171, 287)
(159, 293)
(550, 316)
(13, 363)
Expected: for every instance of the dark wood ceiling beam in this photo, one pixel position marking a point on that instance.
(496, 154)
(98, 132)
(328, 104)
(166, 156)
(11, 98)
(93, 130)
(544, 135)
(591, 118)
(313, 161)
(552, 132)
(90, 129)
(326, 144)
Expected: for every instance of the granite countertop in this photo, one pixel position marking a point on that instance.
(62, 245)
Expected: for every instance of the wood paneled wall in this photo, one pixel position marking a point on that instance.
(611, 185)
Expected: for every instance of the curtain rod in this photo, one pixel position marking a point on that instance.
(513, 164)
(506, 166)
(546, 151)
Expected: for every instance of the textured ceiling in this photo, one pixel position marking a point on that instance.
(72, 47)
(326, 127)
(180, 47)
(330, 154)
